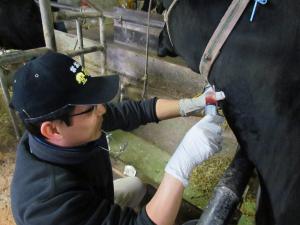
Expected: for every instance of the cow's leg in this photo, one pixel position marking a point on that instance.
(165, 47)
(160, 7)
(264, 212)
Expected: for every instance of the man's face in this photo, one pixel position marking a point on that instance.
(86, 124)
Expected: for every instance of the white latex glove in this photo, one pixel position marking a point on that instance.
(189, 106)
(200, 142)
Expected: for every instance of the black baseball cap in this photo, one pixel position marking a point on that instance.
(51, 82)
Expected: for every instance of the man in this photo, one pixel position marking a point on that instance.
(63, 173)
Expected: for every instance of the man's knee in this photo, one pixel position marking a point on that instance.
(129, 191)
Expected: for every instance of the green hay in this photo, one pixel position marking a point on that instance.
(206, 176)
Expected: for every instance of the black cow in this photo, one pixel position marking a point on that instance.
(157, 4)
(259, 71)
(21, 25)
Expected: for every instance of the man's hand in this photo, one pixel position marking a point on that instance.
(200, 142)
(189, 106)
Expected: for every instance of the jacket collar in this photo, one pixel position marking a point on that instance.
(65, 156)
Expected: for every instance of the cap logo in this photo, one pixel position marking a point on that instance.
(74, 67)
(81, 78)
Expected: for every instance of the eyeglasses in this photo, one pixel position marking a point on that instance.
(90, 109)
(58, 114)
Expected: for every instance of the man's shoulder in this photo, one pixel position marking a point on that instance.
(23, 145)
(28, 167)
(25, 161)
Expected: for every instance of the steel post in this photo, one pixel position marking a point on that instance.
(102, 42)
(80, 39)
(48, 27)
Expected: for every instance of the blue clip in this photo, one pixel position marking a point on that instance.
(262, 2)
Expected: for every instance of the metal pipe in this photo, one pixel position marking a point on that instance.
(25, 55)
(101, 31)
(128, 16)
(73, 53)
(228, 192)
(102, 42)
(94, 6)
(60, 16)
(21, 55)
(145, 78)
(62, 6)
(6, 97)
(80, 39)
(48, 27)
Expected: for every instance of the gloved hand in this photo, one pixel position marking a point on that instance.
(200, 142)
(189, 106)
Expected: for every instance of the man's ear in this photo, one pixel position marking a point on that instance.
(50, 130)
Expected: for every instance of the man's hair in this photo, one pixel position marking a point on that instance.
(34, 128)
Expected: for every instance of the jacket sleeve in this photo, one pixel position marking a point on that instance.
(129, 115)
(113, 214)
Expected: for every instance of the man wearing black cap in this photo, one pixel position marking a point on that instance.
(63, 173)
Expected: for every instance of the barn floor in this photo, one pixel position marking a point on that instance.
(7, 163)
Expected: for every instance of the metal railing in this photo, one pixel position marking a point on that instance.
(48, 28)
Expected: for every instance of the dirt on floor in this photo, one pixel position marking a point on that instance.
(7, 164)
(8, 144)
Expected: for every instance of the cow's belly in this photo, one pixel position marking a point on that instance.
(262, 107)
(258, 69)
(273, 146)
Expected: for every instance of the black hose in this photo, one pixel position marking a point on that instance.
(228, 193)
